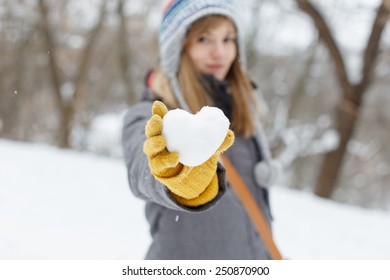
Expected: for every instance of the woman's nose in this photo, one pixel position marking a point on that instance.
(218, 50)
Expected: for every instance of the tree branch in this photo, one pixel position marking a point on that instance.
(371, 51)
(386, 3)
(86, 57)
(326, 36)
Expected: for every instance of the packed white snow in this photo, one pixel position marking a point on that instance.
(62, 204)
(195, 137)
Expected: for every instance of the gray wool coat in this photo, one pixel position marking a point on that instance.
(220, 229)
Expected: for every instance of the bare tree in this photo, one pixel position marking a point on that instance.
(67, 106)
(351, 103)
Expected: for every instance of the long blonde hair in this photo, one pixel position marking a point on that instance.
(194, 91)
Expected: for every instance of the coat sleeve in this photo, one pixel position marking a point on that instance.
(141, 181)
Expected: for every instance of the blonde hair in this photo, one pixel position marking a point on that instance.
(194, 91)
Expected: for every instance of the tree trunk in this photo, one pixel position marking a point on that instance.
(352, 95)
(346, 120)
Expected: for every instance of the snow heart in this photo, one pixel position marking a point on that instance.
(195, 137)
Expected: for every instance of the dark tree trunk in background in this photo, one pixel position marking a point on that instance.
(350, 105)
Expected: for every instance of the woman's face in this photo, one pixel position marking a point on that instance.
(214, 50)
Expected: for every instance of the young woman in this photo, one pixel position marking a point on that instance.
(192, 211)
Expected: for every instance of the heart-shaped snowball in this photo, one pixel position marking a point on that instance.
(195, 137)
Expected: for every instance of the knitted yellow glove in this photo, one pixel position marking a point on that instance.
(191, 186)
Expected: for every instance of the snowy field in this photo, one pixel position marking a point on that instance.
(61, 204)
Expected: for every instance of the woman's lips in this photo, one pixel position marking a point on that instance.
(215, 66)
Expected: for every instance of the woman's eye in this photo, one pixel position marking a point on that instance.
(203, 39)
(229, 40)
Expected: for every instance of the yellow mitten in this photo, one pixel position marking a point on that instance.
(191, 186)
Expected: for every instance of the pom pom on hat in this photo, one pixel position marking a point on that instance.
(266, 173)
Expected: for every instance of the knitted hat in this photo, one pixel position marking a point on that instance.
(177, 19)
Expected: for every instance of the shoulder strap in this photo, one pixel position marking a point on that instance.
(253, 210)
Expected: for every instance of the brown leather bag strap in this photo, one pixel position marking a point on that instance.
(254, 211)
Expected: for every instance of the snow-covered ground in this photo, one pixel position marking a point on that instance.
(61, 204)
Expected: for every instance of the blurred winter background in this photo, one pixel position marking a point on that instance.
(70, 68)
